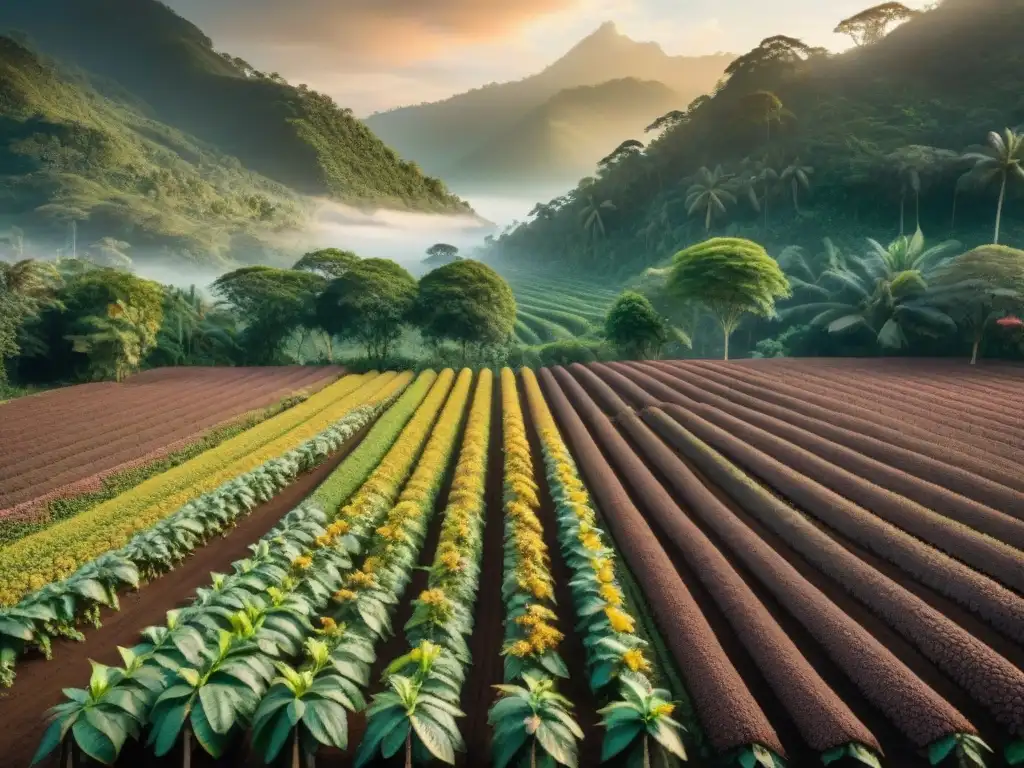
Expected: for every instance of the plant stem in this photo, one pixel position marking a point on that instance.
(725, 356)
(533, 754)
(408, 749)
(647, 753)
(296, 756)
(974, 352)
(186, 760)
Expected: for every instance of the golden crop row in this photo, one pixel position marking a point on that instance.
(590, 556)
(455, 573)
(528, 589)
(58, 551)
(380, 492)
(397, 541)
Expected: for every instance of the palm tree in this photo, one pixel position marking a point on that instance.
(745, 183)
(709, 195)
(1002, 158)
(798, 175)
(593, 222)
(885, 291)
(810, 276)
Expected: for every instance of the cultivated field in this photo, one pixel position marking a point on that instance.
(798, 562)
(64, 442)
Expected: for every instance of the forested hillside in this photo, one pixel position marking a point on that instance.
(810, 145)
(458, 137)
(70, 157)
(167, 92)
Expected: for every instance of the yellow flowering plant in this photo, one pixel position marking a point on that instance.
(527, 585)
(638, 715)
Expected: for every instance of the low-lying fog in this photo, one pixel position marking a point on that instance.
(403, 237)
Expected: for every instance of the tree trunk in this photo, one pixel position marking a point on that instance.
(974, 351)
(726, 355)
(999, 208)
(903, 198)
(707, 220)
(796, 196)
(952, 220)
(917, 208)
(330, 348)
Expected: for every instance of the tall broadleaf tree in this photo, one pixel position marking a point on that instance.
(369, 304)
(731, 277)
(466, 302)
(871, 25)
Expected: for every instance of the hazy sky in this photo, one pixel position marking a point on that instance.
(377, 54)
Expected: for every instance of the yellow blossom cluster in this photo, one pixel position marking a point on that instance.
(540, 633)
(578, 521)
(523, 529)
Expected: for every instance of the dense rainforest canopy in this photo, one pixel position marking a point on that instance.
(795, 145)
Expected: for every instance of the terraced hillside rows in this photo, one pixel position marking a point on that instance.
(557, 309)
(760, 563)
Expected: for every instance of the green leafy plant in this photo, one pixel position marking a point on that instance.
(309, 706)
(99, 719)
(966, 748)
(533, 725)
(418, 713)
(857, 752)
(640, 725)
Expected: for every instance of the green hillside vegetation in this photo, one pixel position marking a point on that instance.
(442, 135)
(564, 138)
(71, 320)
(293, 135)
(797, 145)
(68, 154)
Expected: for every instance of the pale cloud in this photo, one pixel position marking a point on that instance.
(377, 54)
(368, 31)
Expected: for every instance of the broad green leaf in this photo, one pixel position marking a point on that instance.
(94, 742)
(507, 747)
(619, 738)
(327, 723)
(561, 750)
(217, 706)
(394, 740)
(52, 738)
(434, 739)
(165, 723)
(940, 750)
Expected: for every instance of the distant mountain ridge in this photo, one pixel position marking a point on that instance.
(288, 134)
(443, 137)
(563, 138)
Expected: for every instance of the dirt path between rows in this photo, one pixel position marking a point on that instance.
(39, 682)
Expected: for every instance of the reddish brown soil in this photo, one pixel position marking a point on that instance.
(932, 416)
(73, 434)
(941, 652)
(39, 682)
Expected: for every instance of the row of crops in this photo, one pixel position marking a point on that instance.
(632, 564)
(557, 310)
